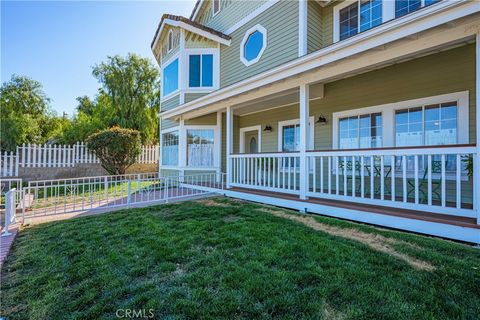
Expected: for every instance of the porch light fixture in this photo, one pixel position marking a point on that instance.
(268, 128)
(322, 121)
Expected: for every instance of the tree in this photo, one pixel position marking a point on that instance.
(132, 84)
(25, 114)
(116, 148)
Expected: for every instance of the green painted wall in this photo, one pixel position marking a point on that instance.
(209, 119)
(232, 11)
(167, 124)
(190, 96)
(327, 24)
(441, 73)
(314, 27)
(282, 44)
(170, 103)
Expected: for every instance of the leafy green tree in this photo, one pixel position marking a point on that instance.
(116, 148)
(25, 114)
(132, 84)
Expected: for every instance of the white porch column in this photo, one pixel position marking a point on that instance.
(304, 116)
(476, 158)
(182, 147)
(218, 146)
(229, 144)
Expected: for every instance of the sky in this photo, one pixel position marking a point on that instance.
(58, 42)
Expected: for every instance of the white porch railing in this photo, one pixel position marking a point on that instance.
(266, 171)
(432, 179)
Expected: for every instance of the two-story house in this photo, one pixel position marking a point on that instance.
(360, 109)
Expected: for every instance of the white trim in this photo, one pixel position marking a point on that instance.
(388, 116)
(190, 28)
(162, 67)
(251, 16)
(388, 13)
(250, 31)
(219, 8)
(244, 130)
(476, 159)
(281, 124)
(170, 34)
(414, 225)
(414, 23)
(215, 72)
(302, 27)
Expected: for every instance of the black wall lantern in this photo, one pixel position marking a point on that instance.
(268, 128)
(322, 121)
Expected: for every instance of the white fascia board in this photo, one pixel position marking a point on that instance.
(195, 14)
(190, 28)
(423, 19)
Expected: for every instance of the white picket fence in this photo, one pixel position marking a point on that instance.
(59, 156)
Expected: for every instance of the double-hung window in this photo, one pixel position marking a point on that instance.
(200, 70)
(170, 148)
(200, 147)
(170, 78)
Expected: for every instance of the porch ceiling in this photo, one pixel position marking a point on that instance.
(277, 100)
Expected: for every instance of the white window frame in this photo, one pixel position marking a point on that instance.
(162, 132)
(170, 45)
(253, 29)
(214, 13)
(249, 129)
(388, 13)
(388, 116)
(164, 65)
(311, 132)
(216, 69)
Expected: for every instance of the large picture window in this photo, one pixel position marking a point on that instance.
(170, 78)
(200, 147)
(362, 131)
(170, 148)
(200, 70)
(426, 125)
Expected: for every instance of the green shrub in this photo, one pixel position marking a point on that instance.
(116, 148)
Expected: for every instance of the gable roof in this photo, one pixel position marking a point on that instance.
(192, 26)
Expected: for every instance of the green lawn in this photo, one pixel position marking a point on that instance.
(220, 258)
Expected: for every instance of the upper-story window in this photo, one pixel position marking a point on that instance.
(354, 16)
(200, 70)
(403, 7)
(359, 16)
(170, 41)
(253, 45)
(170, 78)
(215, 7)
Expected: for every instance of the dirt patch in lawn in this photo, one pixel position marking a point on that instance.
(213, 203)
(374, 241)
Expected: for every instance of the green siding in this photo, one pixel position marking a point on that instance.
(232, 11)
(441, 73)
(167, 124)
(176, 43)
(170, 103)
(282, 44)
(209, 119)
(192, 96)
(327, 24)
(314, 26)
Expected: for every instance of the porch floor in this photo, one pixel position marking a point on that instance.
(403, 213)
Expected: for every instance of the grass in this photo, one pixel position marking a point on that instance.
(234, 260)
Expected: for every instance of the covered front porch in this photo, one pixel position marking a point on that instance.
(393, 145)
